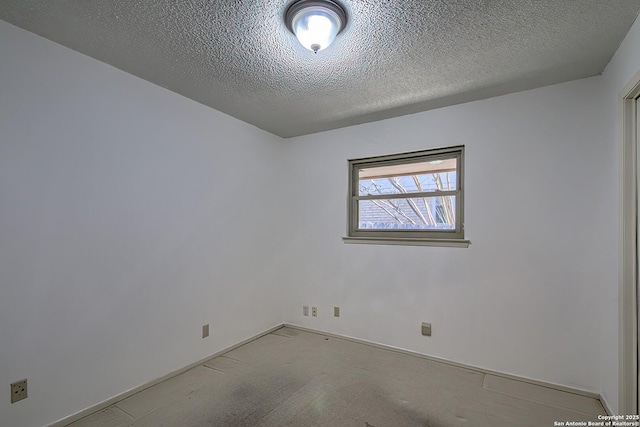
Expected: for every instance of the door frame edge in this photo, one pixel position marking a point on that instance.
(628, 284)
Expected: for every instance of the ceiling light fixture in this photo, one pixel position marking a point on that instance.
(316, 23)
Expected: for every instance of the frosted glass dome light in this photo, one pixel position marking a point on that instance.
(316, 23)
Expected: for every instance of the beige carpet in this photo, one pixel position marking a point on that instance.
(295, 378)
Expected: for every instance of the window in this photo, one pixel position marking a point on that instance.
(410, 198)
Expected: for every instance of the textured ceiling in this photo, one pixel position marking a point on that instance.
(394, 57)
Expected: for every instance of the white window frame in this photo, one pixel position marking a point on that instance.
(449, 238)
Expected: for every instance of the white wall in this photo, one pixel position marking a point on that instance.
(536, 294)
(624, 65)
(121, 231)
(524, 297)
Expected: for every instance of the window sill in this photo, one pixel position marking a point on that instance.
(446, 243)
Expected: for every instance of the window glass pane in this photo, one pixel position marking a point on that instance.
(434, 175)
(424, 213)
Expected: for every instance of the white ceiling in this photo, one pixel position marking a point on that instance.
(393, 58)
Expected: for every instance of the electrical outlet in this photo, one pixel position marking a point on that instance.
(314, 311)
(336, 311)
(426, 329)
(19, 391)
(305, 310)
(205, 330)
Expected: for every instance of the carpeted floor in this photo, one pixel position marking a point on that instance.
(302, 379)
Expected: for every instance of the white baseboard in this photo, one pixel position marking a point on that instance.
(106, 403)
(551, 385)
(606, 406)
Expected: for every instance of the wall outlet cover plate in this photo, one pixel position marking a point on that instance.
(18, 391)
(426, 329)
